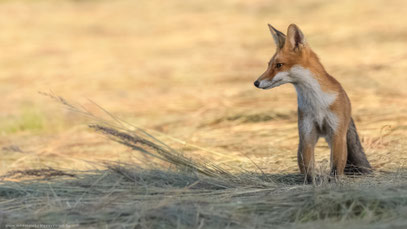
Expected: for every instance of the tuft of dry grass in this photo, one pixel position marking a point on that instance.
(194, 195)
(125, 196)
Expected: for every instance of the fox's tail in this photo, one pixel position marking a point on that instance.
(357, 162)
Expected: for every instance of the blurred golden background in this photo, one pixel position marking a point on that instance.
(186, 69)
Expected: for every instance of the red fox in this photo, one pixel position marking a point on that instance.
(324, 109)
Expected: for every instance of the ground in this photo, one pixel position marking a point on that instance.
(184, 71)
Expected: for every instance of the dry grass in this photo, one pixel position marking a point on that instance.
(127, 197)
(194, 193)
(197, 194)
(184, 72)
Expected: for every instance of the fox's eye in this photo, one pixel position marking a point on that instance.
(279, 65)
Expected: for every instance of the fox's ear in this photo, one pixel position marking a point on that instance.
(296, 37)
(279, 37)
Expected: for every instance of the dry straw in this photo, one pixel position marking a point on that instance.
(195, 193)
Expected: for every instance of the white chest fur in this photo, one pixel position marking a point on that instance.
(312, 100)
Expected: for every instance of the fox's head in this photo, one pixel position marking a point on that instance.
(292, 50)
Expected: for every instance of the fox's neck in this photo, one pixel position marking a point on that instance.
(309, 92)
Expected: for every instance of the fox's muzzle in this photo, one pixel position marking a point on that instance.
(263, 84)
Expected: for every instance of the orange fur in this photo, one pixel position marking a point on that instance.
(325, 109)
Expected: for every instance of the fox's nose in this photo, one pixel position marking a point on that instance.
(256, 83)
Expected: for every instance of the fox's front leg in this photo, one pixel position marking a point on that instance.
(308, 138)
(339, 152)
